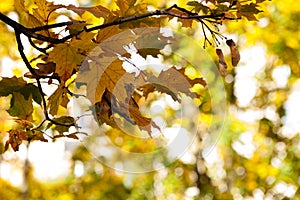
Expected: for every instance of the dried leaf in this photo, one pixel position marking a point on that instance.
(173, 81)
(59, 97)
(97, 11)
(15, 139)
(222, 63)
(68, 56)
(235, 54)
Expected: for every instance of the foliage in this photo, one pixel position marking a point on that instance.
(86, 53)
(61, 58)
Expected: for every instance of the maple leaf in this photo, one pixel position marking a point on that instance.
(248, 11)
(150, 41)
(63, 120)
(184, 22)
(36, 135)
(109, 74)
(97, 11)
(68, 56)
(129, 7)
(15, 139)
(20, 107)
(172, 81)
(44, 11)
(59, 97)
(109, 106)
(14, 84)
(199, 6)
(40, 16)
(106, 33)
(42, 69)
(115, 42)
(144, 123)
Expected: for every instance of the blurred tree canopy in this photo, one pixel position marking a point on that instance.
(66, 66)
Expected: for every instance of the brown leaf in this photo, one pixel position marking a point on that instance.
(235, 54)
(97, 11)
(222, 63)
(59, 97)
(68, 56)
(38, 135)
(15, 139)
(144, 123)
(173, 81)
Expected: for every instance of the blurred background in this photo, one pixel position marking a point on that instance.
(256, 156)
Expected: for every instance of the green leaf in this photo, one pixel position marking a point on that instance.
(199, 6)
(59, 97)
(20, 107)
(248, 11)
(14, 84)
(10, 85)
(63, 120)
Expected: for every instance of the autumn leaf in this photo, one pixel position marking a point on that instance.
(20, 107)
(130, 7)
(62, 120)
(222, 62)
(150, 41)
(45, 11)
(98, 11)
(106, 33)
(248, 11)
(144, 123)
(58, 98)
(39, 16)
(100, 77)
(235, 54)
(114, 44)
(173, 81)
(198, 6)
(18, 85)
(184, 22)
(69, 56)
(109, 106)
(15, 139)
(42, 69)
(36, 135)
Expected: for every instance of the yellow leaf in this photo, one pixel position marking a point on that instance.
(108, 74)
(6, 6)
(59, 97)
(69, 56)
(45, 11)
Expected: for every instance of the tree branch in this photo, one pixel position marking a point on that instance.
(31, 33)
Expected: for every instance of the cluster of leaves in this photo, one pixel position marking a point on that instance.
(109, 87)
